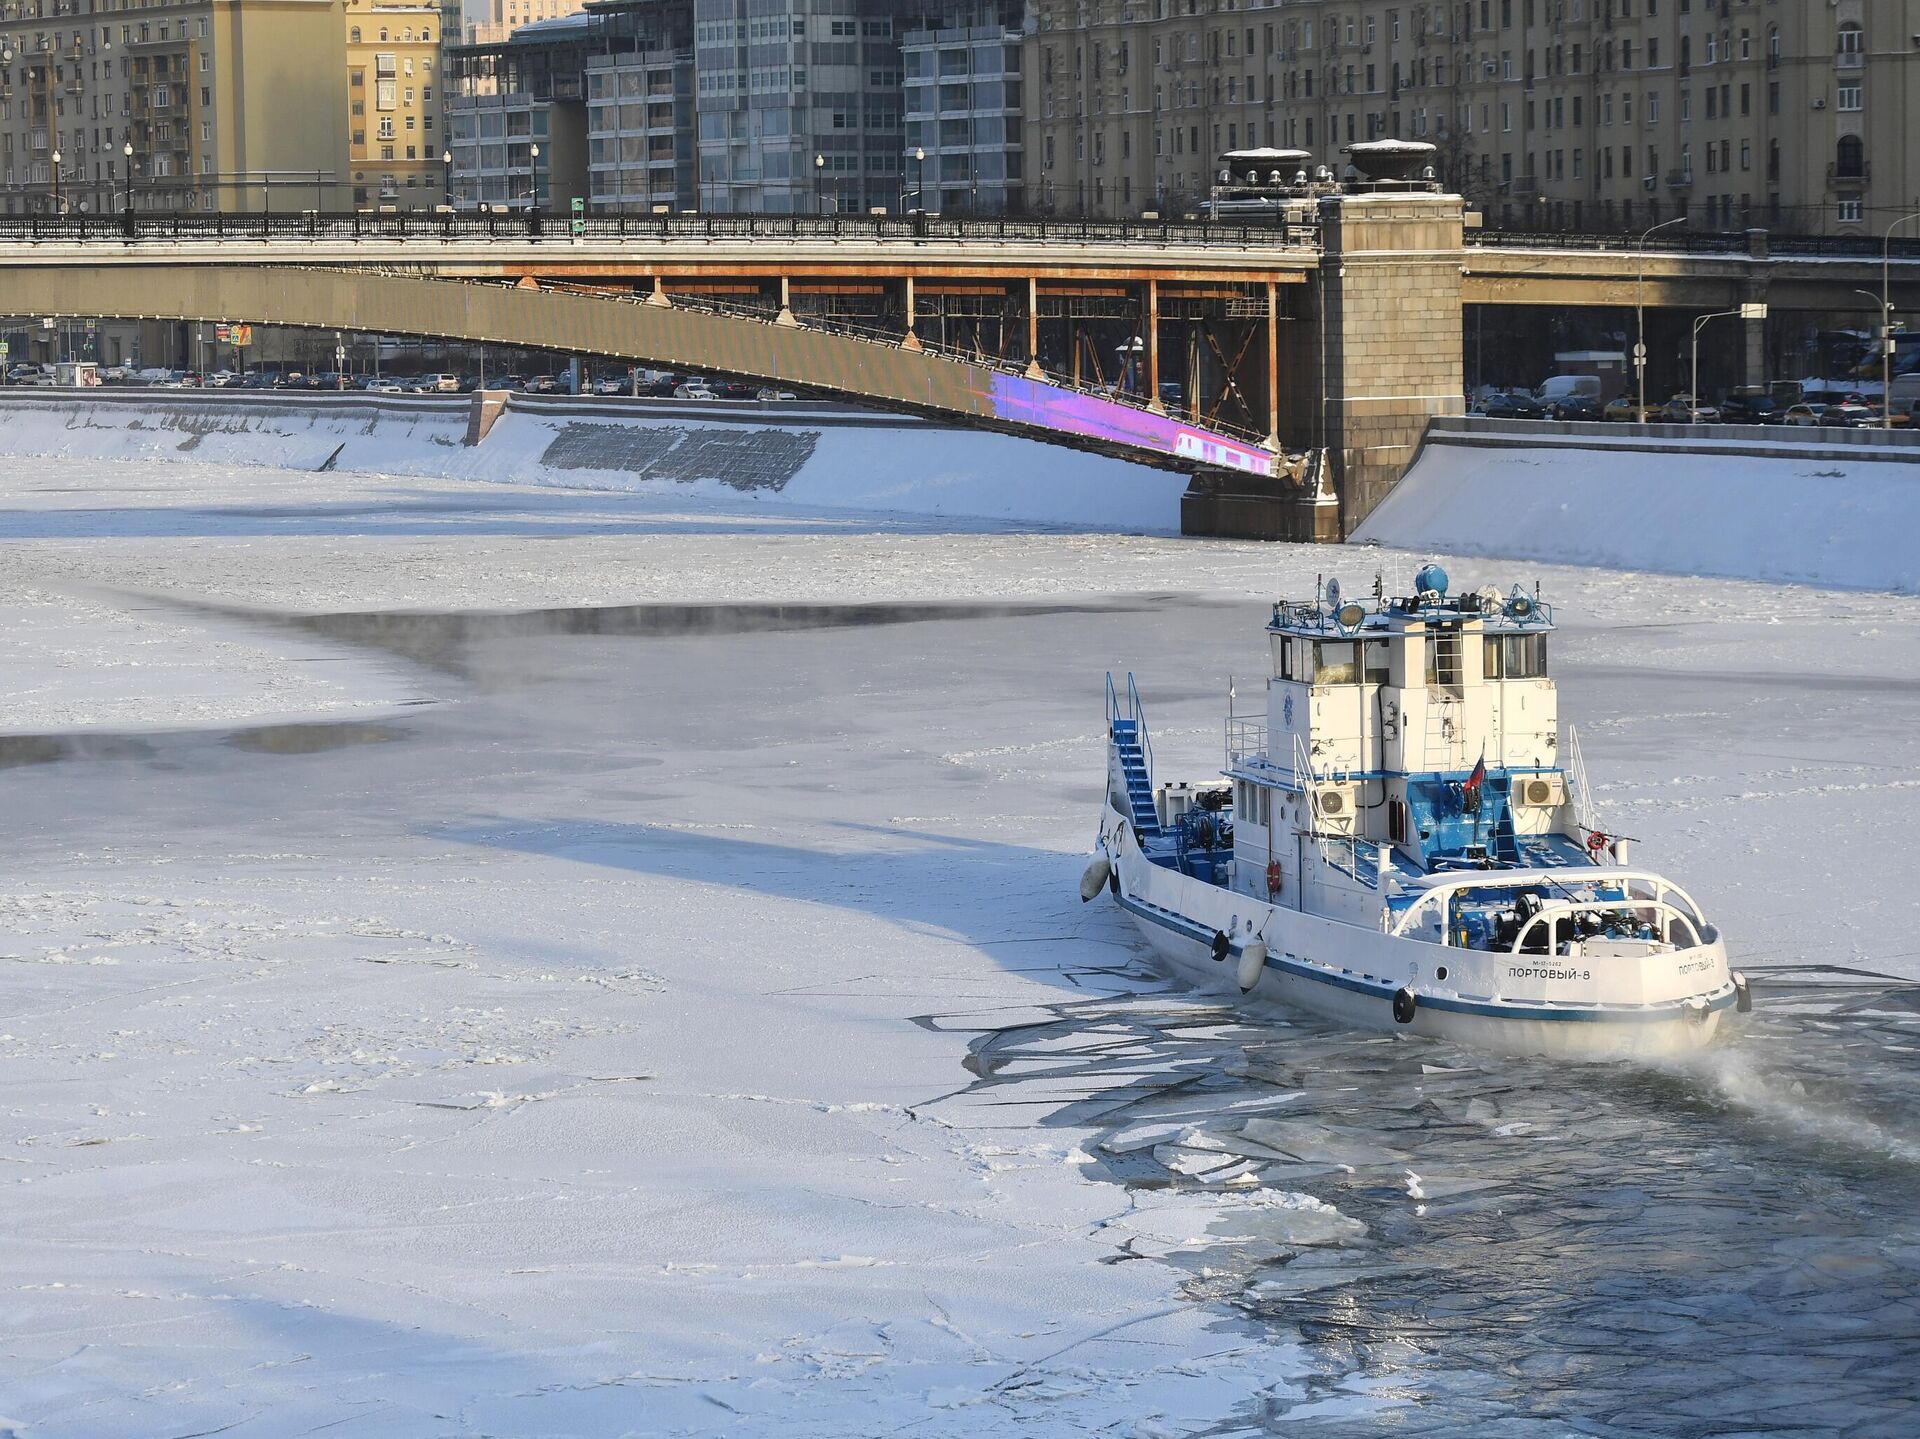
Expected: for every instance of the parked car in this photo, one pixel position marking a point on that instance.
(764, 393)
(1575, 407)
(1851, 410)
(1686, 410)
(694, 388)
(545, 385)
(442, 384)
(1631, 411)
(1750, 409)
(611, 385)
(1511, 405)
(734, 390)
(1805, 415)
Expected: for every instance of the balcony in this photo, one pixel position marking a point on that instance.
(1848, 176)
(1679, 179)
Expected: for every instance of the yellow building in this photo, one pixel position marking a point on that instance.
(394, 131)
(164, 106)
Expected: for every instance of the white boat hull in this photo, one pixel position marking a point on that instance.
(1352, 975)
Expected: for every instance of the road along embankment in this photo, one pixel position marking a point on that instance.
(1834, 508)
(806, 455)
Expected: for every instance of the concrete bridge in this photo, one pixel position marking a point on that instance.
(1340, 338)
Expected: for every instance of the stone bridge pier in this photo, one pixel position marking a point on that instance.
(1378, 353)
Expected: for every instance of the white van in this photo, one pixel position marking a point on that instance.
(1904, 397)
(1569, 387)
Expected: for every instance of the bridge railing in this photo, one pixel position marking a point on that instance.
(560, 228)
(1697, 242)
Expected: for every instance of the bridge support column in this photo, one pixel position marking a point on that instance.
(657, 297)
(1153, 348)
(1034, 372)
(1273, 367)
(912, 341)
(785, 317)
(1390, 313)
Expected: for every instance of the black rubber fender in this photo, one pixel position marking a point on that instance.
(1404, 1006)
(1221, 945)
(1742, 994)
(1113, 882)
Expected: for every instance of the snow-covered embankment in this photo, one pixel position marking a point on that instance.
(814, 456)
(1779, 508)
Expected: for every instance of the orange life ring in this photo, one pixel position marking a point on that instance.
(1596, 841)
(1274, 876)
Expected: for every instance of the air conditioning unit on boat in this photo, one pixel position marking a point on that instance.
(1336, 801)
(1545, 791)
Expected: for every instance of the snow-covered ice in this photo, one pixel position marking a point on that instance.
(518, 961)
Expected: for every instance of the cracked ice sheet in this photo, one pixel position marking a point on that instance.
(555, 1068)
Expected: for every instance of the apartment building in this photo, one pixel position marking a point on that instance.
(1583, 114)
(799, 107)
(963, 106)
(394, 134)
(170, 105)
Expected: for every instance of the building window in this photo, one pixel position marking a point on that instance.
(1849, 210)
(1849, 97)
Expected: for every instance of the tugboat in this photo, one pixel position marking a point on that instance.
(1401, 840)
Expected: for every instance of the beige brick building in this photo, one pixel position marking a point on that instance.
(395, 133)
(1590, 114)
(223, 104)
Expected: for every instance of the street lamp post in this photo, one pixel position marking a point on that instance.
(56, 182)
(1640, 314)
(819, 181)
(1886, 321)
(919, 179)
(446, 175)
(1745, 312)
(126, 223)
(533, 195)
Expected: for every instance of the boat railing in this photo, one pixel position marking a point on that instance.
(1645, 910)
(1130, 709)
(1639, 887)
(1246, 737)
(1357, 858)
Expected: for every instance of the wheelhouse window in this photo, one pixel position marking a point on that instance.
(1374, 656)
(1335, 662)
(1524, 657)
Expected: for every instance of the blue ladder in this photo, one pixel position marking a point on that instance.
(1133, 765)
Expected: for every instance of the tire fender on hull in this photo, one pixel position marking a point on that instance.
(1405, 1005)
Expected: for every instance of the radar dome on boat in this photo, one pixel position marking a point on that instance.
(1431, 578)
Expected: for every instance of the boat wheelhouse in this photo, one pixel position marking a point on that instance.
(1402, 837)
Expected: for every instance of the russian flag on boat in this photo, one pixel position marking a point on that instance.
(1477, 778)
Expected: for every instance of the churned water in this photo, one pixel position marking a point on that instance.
(1725, 1244)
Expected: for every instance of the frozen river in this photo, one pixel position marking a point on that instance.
(482, 961)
